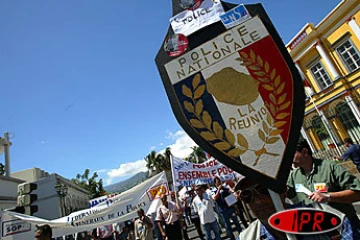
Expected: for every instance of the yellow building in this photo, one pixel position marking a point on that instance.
(328, 58)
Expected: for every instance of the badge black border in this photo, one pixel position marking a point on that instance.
(207, 33)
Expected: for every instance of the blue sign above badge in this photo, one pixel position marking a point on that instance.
(235, 16)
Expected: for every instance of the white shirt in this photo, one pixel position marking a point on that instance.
(142, 230)
(205, 208)
(169, 215)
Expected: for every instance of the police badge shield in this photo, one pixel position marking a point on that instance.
(238, 95)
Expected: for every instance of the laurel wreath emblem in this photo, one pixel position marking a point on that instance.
(224, 139)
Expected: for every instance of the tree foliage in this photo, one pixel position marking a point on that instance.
(158, 162)
(92, 185)
(197, 155)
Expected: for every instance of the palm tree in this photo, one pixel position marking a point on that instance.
(197, 155)
(167, 158)
(94, 187)
(151, 162)
(85, 176)
(158, 162)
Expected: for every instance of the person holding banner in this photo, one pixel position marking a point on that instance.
(226, 211)
(324, 182)
(169, 213)
(204, 206)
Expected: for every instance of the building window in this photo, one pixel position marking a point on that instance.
(321, 132)
(349, 55)
(348, 121)
(320, 75)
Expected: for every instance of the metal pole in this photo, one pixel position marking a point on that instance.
(176, 197)
(246, 211)
(324, 121)
(7, 154)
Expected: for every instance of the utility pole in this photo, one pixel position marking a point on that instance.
(6, 144)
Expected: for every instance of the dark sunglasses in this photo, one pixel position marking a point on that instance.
(38, 236)
(248, 194)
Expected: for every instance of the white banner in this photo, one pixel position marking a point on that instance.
(96, 201)
(189, 21)
(187, 173)
(120, 208)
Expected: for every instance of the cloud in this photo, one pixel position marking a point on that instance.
(152, 148)
(181, 147)
(183, 143)
(126, 169)
(109, 181)
(102, 170)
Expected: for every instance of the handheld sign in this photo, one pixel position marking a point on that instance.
(305, 221)
(236, 91)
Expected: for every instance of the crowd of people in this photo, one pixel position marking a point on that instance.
(214, 208)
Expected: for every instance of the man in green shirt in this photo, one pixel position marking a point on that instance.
(326, 181)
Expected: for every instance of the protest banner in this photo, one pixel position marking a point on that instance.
(187, 173)
(120, 208)
(191, 20)
(231, 86)
(96, 201)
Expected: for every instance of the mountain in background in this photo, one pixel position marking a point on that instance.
(128, 183)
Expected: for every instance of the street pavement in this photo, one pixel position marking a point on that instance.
(192, 233)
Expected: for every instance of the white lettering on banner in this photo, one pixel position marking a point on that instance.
(190, 21)
(216, 49)
(13, 227)
(123, 208)
(189, 173)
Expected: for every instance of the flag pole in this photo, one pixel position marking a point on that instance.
(172, 172)
(307, 84)
(173, 179)
(176, 195)
(322, 120)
